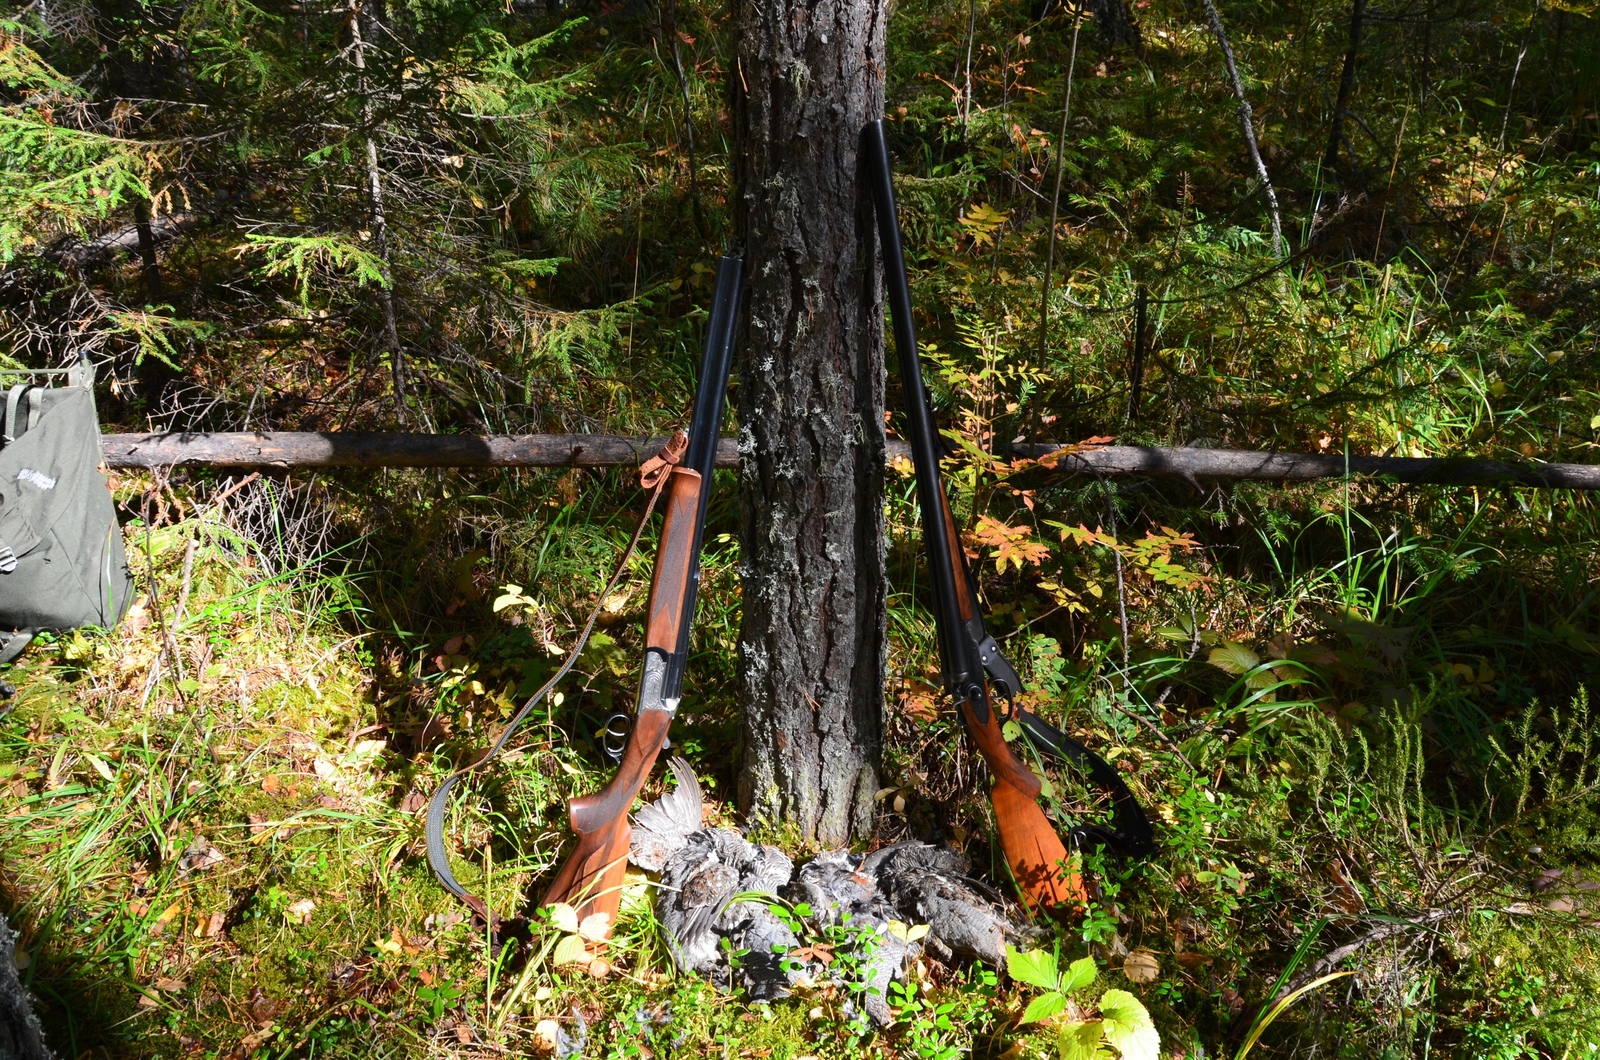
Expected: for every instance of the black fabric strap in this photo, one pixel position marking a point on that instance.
(1132, 837)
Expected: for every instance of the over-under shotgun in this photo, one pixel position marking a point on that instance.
(591, 879)
(970, 660)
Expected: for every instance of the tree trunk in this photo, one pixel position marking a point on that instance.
(1341, 104)
(811, 645)
(379, 221)
(1114, 26)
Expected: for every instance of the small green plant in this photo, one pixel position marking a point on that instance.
(1123, 1023)
(934, 1028)
(437, 993)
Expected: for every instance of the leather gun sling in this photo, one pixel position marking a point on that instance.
(653, 476)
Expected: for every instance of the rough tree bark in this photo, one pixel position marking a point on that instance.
(1114, 26)
(812, 657)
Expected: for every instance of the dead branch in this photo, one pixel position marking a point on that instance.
(360, 449)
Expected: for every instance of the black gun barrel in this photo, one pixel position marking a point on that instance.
(960, 666)
(705, 428)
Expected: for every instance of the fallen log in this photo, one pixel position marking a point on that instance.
(101, 249)
(360, 449)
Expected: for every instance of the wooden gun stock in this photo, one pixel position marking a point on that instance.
(1032, 848)
(591, 879)
(1037, 857)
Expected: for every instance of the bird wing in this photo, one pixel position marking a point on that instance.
(677, 813)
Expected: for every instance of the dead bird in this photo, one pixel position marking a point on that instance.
(662, 827)
(702, 869)
(934, 886)
(853, 899)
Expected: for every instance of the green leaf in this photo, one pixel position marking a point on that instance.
(1128, 1026)
(1044, 1006)
(1034, 967)
(1233, 658)
(1010, 731)
(1080, 1041)
(1080, 973)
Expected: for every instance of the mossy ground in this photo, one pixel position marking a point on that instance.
(213, 847)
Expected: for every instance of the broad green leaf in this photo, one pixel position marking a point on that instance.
(1010, 731)
(1128, 1026)
(571, 950)
(564, 917)
(1080, 973)
(1044, 1006)
(1034, 967)
(1233, 658)
(1080, 1041)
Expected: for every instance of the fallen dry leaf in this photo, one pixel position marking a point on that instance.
(199, 856)
(255, 1040)
(300, 912)
(262, 1007)
(1141, 966)
(165, 918)
(545, 1036)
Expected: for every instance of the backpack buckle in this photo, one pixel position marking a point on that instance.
(8, 559)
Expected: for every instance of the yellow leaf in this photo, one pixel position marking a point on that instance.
(570, 950)
(100, 766)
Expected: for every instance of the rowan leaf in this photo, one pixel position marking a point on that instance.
(1034, 967)
(1044, 1006)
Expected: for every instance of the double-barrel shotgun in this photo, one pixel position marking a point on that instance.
(971, 663)
(591, 878)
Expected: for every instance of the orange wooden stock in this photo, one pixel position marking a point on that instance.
(591, 879)
(1033, 850)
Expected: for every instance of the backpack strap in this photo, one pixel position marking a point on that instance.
(35, 406)
(8, 426)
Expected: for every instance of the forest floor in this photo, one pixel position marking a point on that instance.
(213, 830)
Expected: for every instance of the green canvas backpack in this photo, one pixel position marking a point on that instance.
(62, 563)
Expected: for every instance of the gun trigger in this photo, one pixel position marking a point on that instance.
(998, 667)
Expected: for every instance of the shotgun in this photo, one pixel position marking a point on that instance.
(970, 660)
(591, 879)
